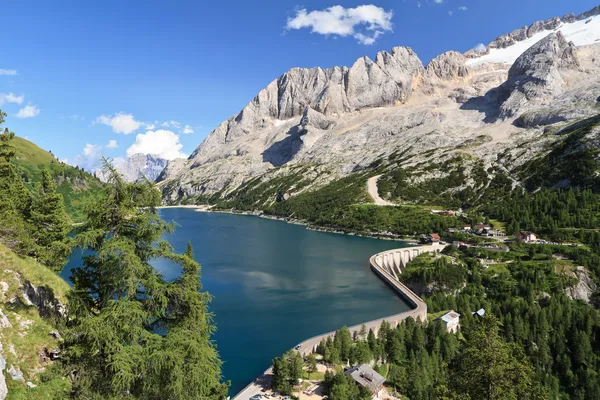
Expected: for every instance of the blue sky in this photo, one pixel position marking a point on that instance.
(83, 74)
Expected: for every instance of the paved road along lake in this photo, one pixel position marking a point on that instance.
(276, 284)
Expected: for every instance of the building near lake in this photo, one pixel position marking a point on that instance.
(451, 321)
(364, 375)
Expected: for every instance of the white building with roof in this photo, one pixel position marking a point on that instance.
(451, 321)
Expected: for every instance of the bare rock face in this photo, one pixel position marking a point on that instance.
(584, 288)
(3, 387)
(447, 66)
(332, 122)
(537, 74)
(173, 168)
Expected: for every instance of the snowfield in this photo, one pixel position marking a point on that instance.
(581, 33)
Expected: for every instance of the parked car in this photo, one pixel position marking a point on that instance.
(297, 347)
(256, 397)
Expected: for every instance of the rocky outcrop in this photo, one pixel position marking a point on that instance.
(537, 75)
(584, 288)
(42, 298)
(332, 92)
(173, 168)
(448, 66)
(3, 387)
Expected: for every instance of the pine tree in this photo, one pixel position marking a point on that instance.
(489, 368)
(131, 334)
(14, 198)
(48, 224)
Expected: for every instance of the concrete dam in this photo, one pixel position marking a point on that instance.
(387, 265)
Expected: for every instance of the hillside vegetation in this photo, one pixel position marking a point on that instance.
(75, 185)
(26, 331)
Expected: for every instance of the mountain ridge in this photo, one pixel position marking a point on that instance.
(341, 119)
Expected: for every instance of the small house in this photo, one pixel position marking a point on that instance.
(433, 238)
(451, 321)
(467, 228)
(365, 376)
(479, 313)
(526, 236)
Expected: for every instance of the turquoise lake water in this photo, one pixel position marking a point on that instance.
(276, 284)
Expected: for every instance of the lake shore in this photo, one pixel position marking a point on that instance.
(260, 214)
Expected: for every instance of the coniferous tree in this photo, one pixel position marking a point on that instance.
(131, 334)
(48, 224)
(14, 198)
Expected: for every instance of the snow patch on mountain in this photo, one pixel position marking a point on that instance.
(581, 33)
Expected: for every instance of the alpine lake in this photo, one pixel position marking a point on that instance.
(275, 284)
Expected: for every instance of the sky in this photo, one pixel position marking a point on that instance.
(85, 79)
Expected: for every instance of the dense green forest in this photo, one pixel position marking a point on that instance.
(129, 333)
(76, 186)
(532, 343)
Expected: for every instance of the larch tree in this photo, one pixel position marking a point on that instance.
(49, 226)
(131, 333)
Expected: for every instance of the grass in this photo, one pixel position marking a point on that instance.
(499, 225)
(76, 186)
(500, 268)
(37, 274)
(315, 376)
(433, 316)
(29, 335)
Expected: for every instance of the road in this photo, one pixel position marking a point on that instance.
(373, 191)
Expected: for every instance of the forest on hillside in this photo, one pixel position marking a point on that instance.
(129, 333)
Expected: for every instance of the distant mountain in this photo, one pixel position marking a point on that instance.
(497, 106)
(76, 185)
(137, 166)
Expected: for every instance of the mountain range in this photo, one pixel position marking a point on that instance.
(502, 105)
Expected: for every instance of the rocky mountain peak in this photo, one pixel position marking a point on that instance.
(448, 66)
(537, 74)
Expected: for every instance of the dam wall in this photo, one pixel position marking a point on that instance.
(387, 266)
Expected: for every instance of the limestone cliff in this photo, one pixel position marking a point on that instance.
(336, 121)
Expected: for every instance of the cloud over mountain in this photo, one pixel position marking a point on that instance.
(161, 142)
(365, 23)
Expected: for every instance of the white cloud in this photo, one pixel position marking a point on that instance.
(450, 13)
(187, 130)
(340, 21)
(438, 1)
(480, 47)
(112, 144)
(463, 8)
(161, 142)
(11, 98)
(8, 72)
(419, 4)
(29, 111)
(90, 157)
(150, 126)
(120, 122)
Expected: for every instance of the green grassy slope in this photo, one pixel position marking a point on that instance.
(76, 185)
(28, 335)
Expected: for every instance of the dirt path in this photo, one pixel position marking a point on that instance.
(374, 192)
